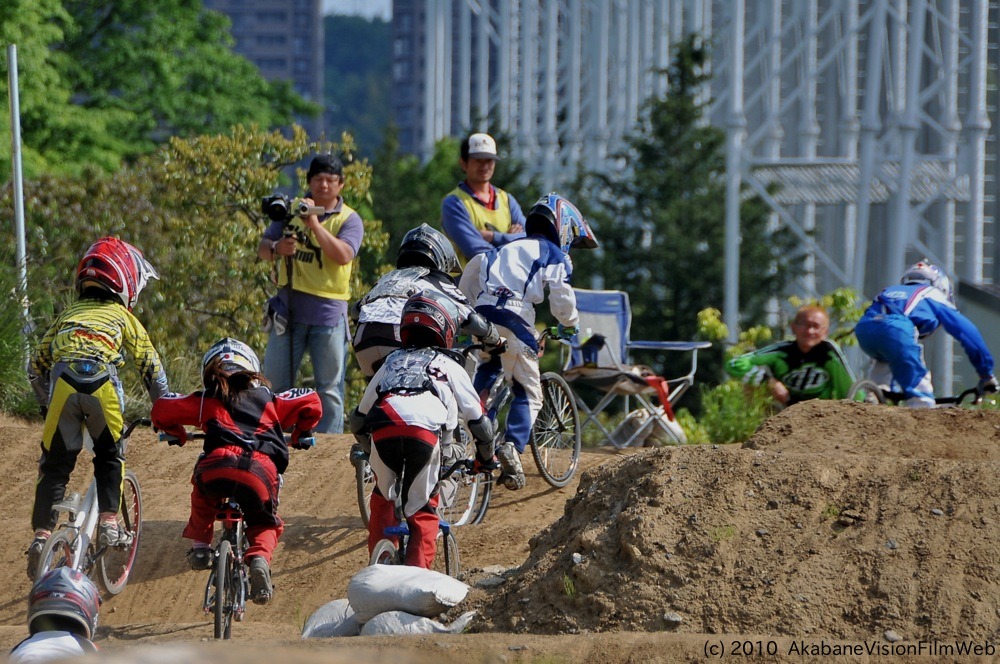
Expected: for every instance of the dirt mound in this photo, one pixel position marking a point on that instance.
(836, 521)
(839, 525)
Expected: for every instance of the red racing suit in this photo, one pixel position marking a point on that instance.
(244, 453)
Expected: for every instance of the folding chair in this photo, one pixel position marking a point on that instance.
(601, 360)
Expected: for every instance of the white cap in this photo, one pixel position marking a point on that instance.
(482, 146)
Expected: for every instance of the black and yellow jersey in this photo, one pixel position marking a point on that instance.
(102, 331)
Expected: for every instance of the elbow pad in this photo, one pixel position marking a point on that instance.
(479, 327)
(482, 430)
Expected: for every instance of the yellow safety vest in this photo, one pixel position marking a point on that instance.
(481, 216)
(314, 272)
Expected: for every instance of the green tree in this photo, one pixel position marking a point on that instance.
(194, 210)
(660, 221)
(103, 82)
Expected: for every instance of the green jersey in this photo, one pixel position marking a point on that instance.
(821, 373)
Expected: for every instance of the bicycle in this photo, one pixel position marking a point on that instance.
(868, 391)
(74, 543)
(556, 436)
(556, 442)
(387, 552)
(228, 584)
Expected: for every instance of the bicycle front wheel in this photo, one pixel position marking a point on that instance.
(225, 593)
(364, 477)
(115, 564)
(866, 391)
(556, 437)
(385, 553)
(58, 552)
(447, 560)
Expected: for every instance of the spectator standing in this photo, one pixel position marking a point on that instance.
(309, 312)
(478, 216)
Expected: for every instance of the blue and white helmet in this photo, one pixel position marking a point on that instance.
(924, 272)
(557, 219)
(234, 355)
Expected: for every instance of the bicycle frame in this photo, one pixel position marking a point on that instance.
(83, 516)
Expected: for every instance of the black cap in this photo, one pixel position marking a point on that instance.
(325, 163)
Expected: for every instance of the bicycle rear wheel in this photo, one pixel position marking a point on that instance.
(115, 564)
(364, 478)
(385, 553)
(866, 391)
(225, 593)
(58, 552)
(556, 437)
(460, 493)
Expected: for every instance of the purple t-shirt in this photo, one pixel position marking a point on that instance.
(311, 309)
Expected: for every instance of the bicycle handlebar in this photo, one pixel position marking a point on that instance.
(304, 442)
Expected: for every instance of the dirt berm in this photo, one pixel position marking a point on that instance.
(844, 531)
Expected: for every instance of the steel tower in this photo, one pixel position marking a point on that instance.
(862, 123)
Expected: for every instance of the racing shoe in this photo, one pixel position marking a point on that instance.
(199, 558)
(260, 581)
(511, 474)
(109, 534)
(34, 554)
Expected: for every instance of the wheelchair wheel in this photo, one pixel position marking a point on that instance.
(116, 564)
(556, 436)
(364, 477)
(866, 391)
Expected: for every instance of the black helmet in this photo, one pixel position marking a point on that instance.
(429, 319)
(427, 247)
(64, 596)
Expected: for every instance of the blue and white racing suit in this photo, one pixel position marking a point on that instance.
(891, 329)
(504, 286)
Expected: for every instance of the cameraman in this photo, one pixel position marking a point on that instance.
(310, 309)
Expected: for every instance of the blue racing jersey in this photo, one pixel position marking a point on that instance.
(928, 308)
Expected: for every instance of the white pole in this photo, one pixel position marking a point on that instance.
(15, 158)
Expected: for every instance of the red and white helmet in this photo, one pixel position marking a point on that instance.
(924, 272)
(429, 319)
(115, 266)
(60, 595)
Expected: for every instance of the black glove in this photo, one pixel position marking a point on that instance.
(481, 466)
(302, 440)
(499, 349)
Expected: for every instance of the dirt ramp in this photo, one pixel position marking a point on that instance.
(841, 427)
(720, 540)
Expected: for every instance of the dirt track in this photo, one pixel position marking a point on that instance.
(846, 523)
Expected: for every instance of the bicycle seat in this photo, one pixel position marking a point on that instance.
(229, 511)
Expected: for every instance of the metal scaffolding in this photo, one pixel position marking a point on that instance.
(862, 123)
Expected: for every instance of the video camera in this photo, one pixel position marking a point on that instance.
(280, 207)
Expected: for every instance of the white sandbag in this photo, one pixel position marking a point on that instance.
(400, 622)
(334, 618)
(422, 592)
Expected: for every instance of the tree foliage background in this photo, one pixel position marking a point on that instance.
(661, 221)
(102, 83)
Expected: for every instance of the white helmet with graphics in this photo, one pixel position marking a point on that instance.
(923, 272)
